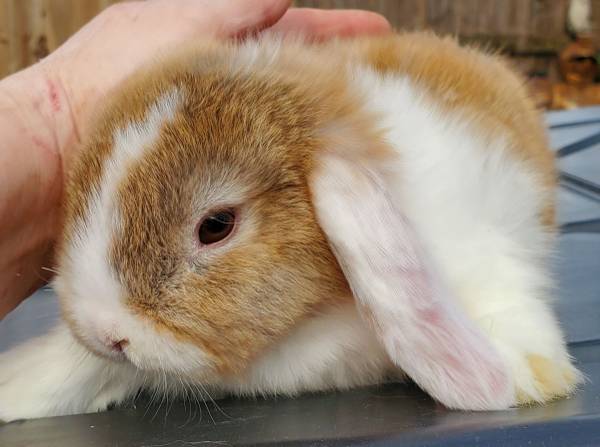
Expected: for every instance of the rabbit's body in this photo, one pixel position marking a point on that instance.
(456, 145)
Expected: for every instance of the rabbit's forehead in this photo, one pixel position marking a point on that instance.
(94, 206)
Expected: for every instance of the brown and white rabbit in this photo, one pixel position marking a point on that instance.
(272, 217)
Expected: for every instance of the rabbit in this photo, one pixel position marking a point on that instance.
(274, 216)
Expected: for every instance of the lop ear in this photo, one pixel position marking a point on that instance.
(400, 292)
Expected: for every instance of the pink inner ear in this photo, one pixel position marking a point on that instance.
(415, 315)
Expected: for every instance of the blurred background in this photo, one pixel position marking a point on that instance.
(555, 43)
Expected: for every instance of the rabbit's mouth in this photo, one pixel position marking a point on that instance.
(113, 331)
(147, 349)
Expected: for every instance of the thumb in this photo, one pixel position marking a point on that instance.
(232, 18)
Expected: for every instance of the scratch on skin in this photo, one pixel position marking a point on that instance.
(53, 95)
(40, 143)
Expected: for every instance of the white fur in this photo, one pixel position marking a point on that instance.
(333, 350)
(253, 53)
(475, 208)
(413, 311)
(55, 375)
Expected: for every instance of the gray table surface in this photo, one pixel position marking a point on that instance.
(389, 414)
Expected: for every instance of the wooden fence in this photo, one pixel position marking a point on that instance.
(531, 30)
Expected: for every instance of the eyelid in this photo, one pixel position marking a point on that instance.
(229, 212)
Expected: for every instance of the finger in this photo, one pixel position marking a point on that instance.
(241, 17)
(222, 18)
(322, 24)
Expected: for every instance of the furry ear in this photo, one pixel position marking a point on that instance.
(399, 291)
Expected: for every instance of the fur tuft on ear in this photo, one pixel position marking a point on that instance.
(399, 291)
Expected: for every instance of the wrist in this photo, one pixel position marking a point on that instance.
(35, 134)
(42, 111)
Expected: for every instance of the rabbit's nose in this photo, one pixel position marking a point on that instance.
(118, 345)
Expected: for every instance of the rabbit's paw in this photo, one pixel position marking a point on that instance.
(24, 393)
(54, 375)
(536, 356)
(544, 379)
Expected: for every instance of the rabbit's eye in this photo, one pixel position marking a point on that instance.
(216, 227)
